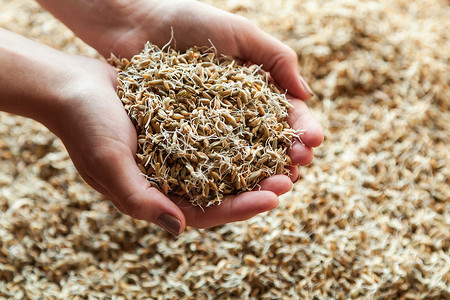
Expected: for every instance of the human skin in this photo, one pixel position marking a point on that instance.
(75, 98)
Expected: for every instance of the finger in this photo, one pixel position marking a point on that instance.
(93, 183)
(293, 173)
(233, 208)
(300, 117)
(281, 61)
(300, 154)
(119, 174)
(99, 188)
(278, 184)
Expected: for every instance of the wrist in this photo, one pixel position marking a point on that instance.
(28, 78)
(37, 81)
(100, 23)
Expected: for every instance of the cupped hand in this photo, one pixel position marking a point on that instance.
(102, 140)
(196, 24)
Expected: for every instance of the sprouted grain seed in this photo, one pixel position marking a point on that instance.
(207, 127)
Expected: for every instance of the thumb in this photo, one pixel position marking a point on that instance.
(277, 58)
(118, 173)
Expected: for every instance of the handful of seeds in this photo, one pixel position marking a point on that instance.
(206, 126)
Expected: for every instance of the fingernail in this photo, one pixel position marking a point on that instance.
(306, 86)
(169, 223)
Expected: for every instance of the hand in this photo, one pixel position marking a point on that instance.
(101, 141)
(123, 27)
(103, 147)
(196, 24)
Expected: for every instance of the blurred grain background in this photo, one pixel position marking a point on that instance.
(370, 217)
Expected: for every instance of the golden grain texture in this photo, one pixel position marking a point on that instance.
(368, 219)
(206, 126)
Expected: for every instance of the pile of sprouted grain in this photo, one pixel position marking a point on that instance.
(207, 127)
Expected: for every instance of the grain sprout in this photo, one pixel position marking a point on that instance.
(207, 127)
